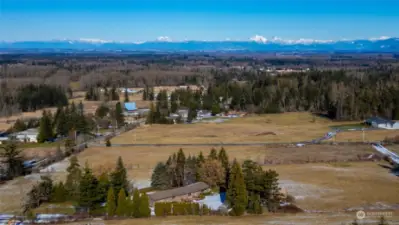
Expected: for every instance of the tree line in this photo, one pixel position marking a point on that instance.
(341, 95)
(30, 97)
(248, 187)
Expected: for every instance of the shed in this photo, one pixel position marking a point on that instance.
(178, 193)
(382, 123)
(130, 106)
(29, 135)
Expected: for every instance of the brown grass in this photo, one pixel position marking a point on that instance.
(266, 219)
(357, 136)
(141, 160)
(288, 127)
(343, 185)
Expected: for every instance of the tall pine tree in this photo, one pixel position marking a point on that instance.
(123, 204)
(120, 119)
(45, 129)
(145, 210)
(73, 178)
(236, 192)
(119, 177)
(88, 196)
(180, 164)
(136, 203)
(111, 202)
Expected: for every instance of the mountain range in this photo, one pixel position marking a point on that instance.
(255, 44)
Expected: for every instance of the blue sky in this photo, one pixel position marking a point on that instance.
(143, 20)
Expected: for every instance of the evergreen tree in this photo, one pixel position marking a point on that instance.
(12, 157)
(215, 109)
(223, 158)
(160, 178)
(136, 203)
(73, 178)
(236, 192)
(126, 95)
(173, 103)
(123, 204)
(145, 210)
(119, 177)
(119, 115)
(61, 127)
(180, 164)
(59, 194)
(45, 129)
(111, 202)
(103, 186)
(150, 116)
(88, 187)
(213, 154)
(254, 204)
(200, 158)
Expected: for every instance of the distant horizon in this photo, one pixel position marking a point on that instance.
(202, 20)
(255, 38)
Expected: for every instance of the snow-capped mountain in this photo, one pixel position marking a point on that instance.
(257, 44)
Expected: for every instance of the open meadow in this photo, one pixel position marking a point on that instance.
(272, 219)
(285, 127)
(317, 186)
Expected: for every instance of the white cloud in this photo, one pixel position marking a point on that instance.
(380, 38)
(93, 40)
(259, 39)
(164, 39)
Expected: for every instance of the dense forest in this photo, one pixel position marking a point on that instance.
(30, 97)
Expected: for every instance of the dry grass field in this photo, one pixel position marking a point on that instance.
(317, 186)
(357, 136)
(287, 127)
(141, 160)
(272, 219)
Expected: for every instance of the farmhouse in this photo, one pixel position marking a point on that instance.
(379, 122)
(29, 135)
(185, 193)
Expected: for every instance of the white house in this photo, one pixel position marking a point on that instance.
(382, 123)
(29, 135)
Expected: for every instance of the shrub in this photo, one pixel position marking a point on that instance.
(163, 208)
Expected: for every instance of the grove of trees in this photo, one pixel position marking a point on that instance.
(248, 187)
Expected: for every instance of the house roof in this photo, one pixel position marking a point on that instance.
(130, 106)
(379, 120)
(31, 131)
(196, 187)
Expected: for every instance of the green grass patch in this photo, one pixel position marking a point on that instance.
(349, 126)
(40, 145)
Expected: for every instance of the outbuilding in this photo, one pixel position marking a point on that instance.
(382, 123)
(188, 192)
